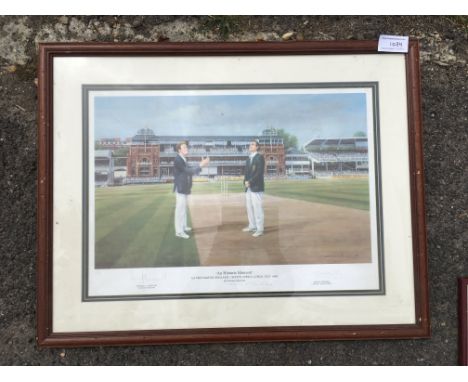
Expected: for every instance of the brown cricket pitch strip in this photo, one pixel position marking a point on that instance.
(296, 232)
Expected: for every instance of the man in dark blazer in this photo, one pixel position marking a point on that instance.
(183, 186)
(254, 187)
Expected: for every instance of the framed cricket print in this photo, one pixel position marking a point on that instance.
(198, 192)
(463, 320)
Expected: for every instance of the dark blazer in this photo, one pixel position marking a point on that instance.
(254, 173)
(183, 175)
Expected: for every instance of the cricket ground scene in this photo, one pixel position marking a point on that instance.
(317, 146)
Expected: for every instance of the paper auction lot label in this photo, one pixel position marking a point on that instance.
(395, 44)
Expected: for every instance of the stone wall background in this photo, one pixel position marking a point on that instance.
(444, 55)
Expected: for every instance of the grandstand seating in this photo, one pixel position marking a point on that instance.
(339, 156)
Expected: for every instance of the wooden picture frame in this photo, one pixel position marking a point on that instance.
(83, 323)
(463, 320)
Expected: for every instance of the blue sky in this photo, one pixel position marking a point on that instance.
(306, 116)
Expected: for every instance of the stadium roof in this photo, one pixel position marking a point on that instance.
(270, 132)
(294, 151)
(110, 139)
(209, 137)
(145, 135)
(345, 143)
(191, 138)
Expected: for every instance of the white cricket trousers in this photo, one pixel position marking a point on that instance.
(254, 202)
(180, 220)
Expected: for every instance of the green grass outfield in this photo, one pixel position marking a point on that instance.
(135, 224)
(135, 228)
(343, 192)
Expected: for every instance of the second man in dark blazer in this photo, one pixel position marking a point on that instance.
(254, 187)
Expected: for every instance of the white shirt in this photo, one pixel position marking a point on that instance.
(251, 155)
